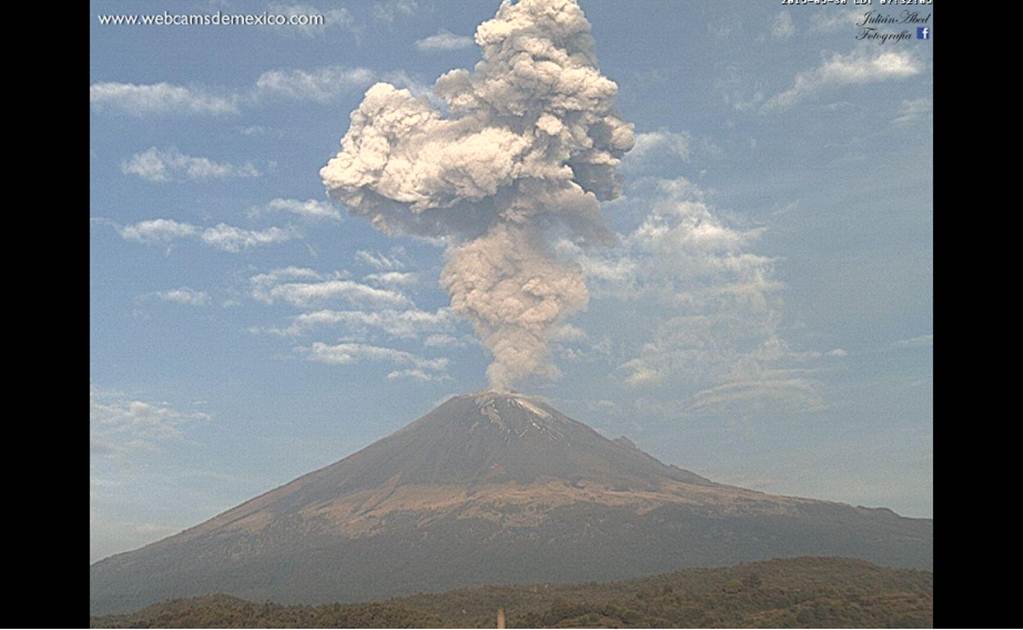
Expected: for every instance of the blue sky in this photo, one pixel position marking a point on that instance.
(765, 318)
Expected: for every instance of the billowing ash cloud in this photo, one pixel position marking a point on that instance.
(524, 149)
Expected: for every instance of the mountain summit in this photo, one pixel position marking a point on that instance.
(490, 487)
(493, 437)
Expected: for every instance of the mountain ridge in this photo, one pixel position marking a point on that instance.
(490, 486)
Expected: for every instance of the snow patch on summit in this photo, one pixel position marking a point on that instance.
(488, 409)
(531, 407)
(491, 404)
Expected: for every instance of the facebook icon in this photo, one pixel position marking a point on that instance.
(922, 32)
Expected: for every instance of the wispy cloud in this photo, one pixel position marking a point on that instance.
(856, 68)
(772, 379)
(261, 130)
(321, 288)
(782, 26)
(286, 273)
(120, 424)
(234, 239)
(832, 21)
(404, 324)
(719, 297)
(912, 110)
(409, 365)
(184, 295)
(159, 98)
(773, 395)
(379, 261)
(656, 153)
(222, 236)
(320, 84)
(390, 10)
(441, 340)
(157, 231)
(392, 278)
(335, 18)
(444, 40)
(715, 308)
(164, 165)
(311, 209)
(920, 341)
(676, 144)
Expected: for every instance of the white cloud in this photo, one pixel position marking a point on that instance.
(698, 349)
(739, 89)
(831, 21)
(412, 366)
(390, 10)
(319, 85)
(285, 273)
(393, 278)
(338, 18)
(713, 307)
(660, 142)
(379, 261)
(164, 165)
(159, 98)
(444, 40)
(921, 341)
(234, 239)
(912, 110)
(658, 151)
(184, 295)
(417, 374)
(767, 380)
(221, 236)
(856, 68)
(261, 130)
(157, 231)
(405, 324)
(308, 209)
(641, 374)
(766, 395)
(443, 341)
(782, 26)
(119, 424)
(683, 254)
(268, 288)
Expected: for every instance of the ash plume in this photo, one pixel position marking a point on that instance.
(520, 149)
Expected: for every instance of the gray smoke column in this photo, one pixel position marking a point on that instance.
(522, 148)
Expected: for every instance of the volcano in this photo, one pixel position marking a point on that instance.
(490, 488)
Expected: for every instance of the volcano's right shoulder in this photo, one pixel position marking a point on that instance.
(493, 487)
